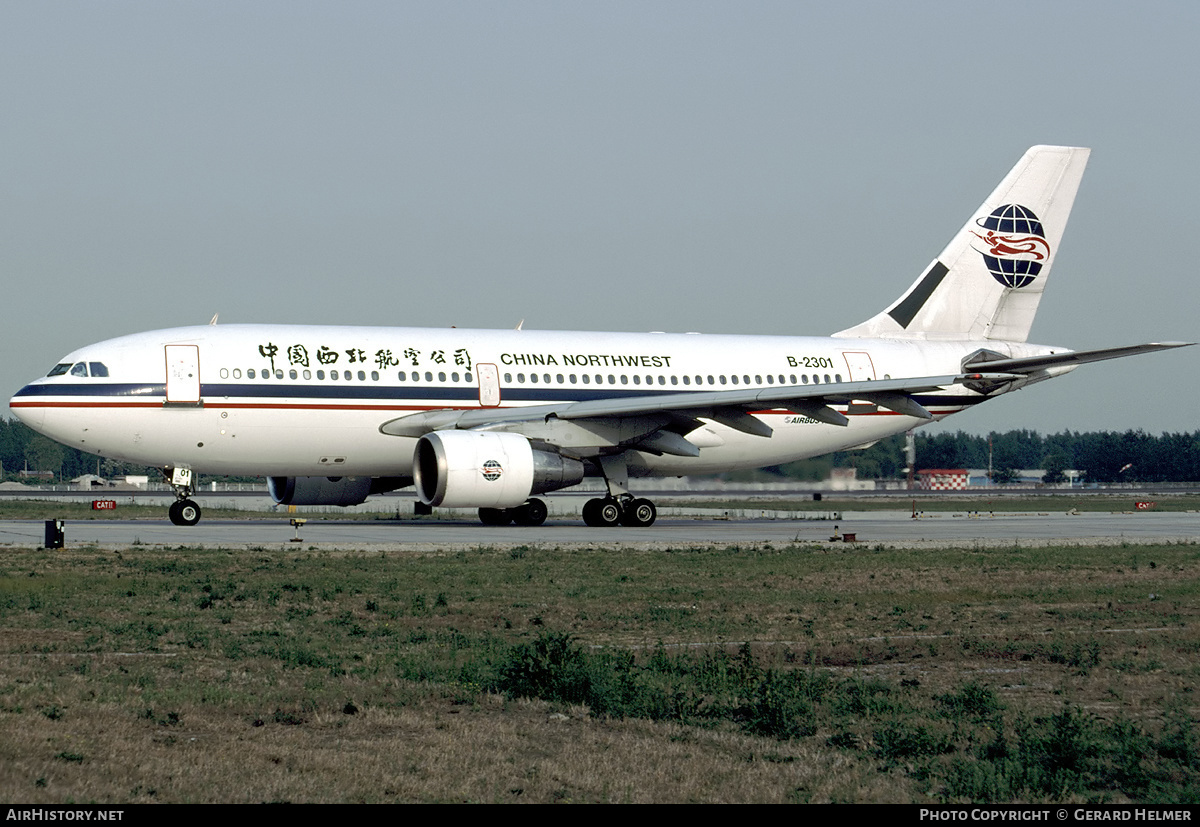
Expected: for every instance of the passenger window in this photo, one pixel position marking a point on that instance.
(307, 375)
(279, 374)
(292, 374)
(533, 378)
(454, 376)
(374, 376)
(637, 380)
(467, 377)
(624, 379)
(428, 376)
(362, 376)
(250, 373)
(441, 376)
(559, 378)
(687, 380)
(237, 373)
(321, 375)
(587, 379)
(98, 368)
(224, 373)
(734, 379)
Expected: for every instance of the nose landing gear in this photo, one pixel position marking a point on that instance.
(184, 510)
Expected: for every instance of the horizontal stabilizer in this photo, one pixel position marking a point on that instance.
(1029, 364)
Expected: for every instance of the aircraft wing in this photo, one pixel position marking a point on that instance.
(729, 407)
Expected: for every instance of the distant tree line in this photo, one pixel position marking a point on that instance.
(1101, 456)
(22, 448)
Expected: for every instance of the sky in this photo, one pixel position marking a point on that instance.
(748, 167)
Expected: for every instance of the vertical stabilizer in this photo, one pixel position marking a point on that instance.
(988, 281)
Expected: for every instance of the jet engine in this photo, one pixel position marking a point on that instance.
(330, 490)
(487, 469)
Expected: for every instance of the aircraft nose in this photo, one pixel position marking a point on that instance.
(24, 411)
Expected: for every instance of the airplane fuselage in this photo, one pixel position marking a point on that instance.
(310, 400)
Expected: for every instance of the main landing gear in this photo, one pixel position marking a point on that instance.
(530, 513)
(610, 511)
(184, 510)
(599, 513)
(619, 507)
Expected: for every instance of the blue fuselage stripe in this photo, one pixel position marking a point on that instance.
(411, 394)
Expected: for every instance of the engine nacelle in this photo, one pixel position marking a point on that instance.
(330, 490)
(487, 469)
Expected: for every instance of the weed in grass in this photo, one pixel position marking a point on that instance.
(972, 701)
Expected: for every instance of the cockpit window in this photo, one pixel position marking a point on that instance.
(59, 370)
(98, 368)
(79, 370)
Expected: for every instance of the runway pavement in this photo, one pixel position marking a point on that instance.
(871, 529)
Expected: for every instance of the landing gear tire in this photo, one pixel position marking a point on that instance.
(184, 512)
(639, 514)
(533, 512)
(602, 513)
(495, 516)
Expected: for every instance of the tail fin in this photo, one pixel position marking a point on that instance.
(988, 281)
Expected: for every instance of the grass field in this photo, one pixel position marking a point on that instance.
(756, 673)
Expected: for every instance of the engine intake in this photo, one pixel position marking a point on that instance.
(487, 469)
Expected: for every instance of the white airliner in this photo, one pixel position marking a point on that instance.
(489, 418)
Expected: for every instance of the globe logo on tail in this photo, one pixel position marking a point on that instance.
(1013, 245)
